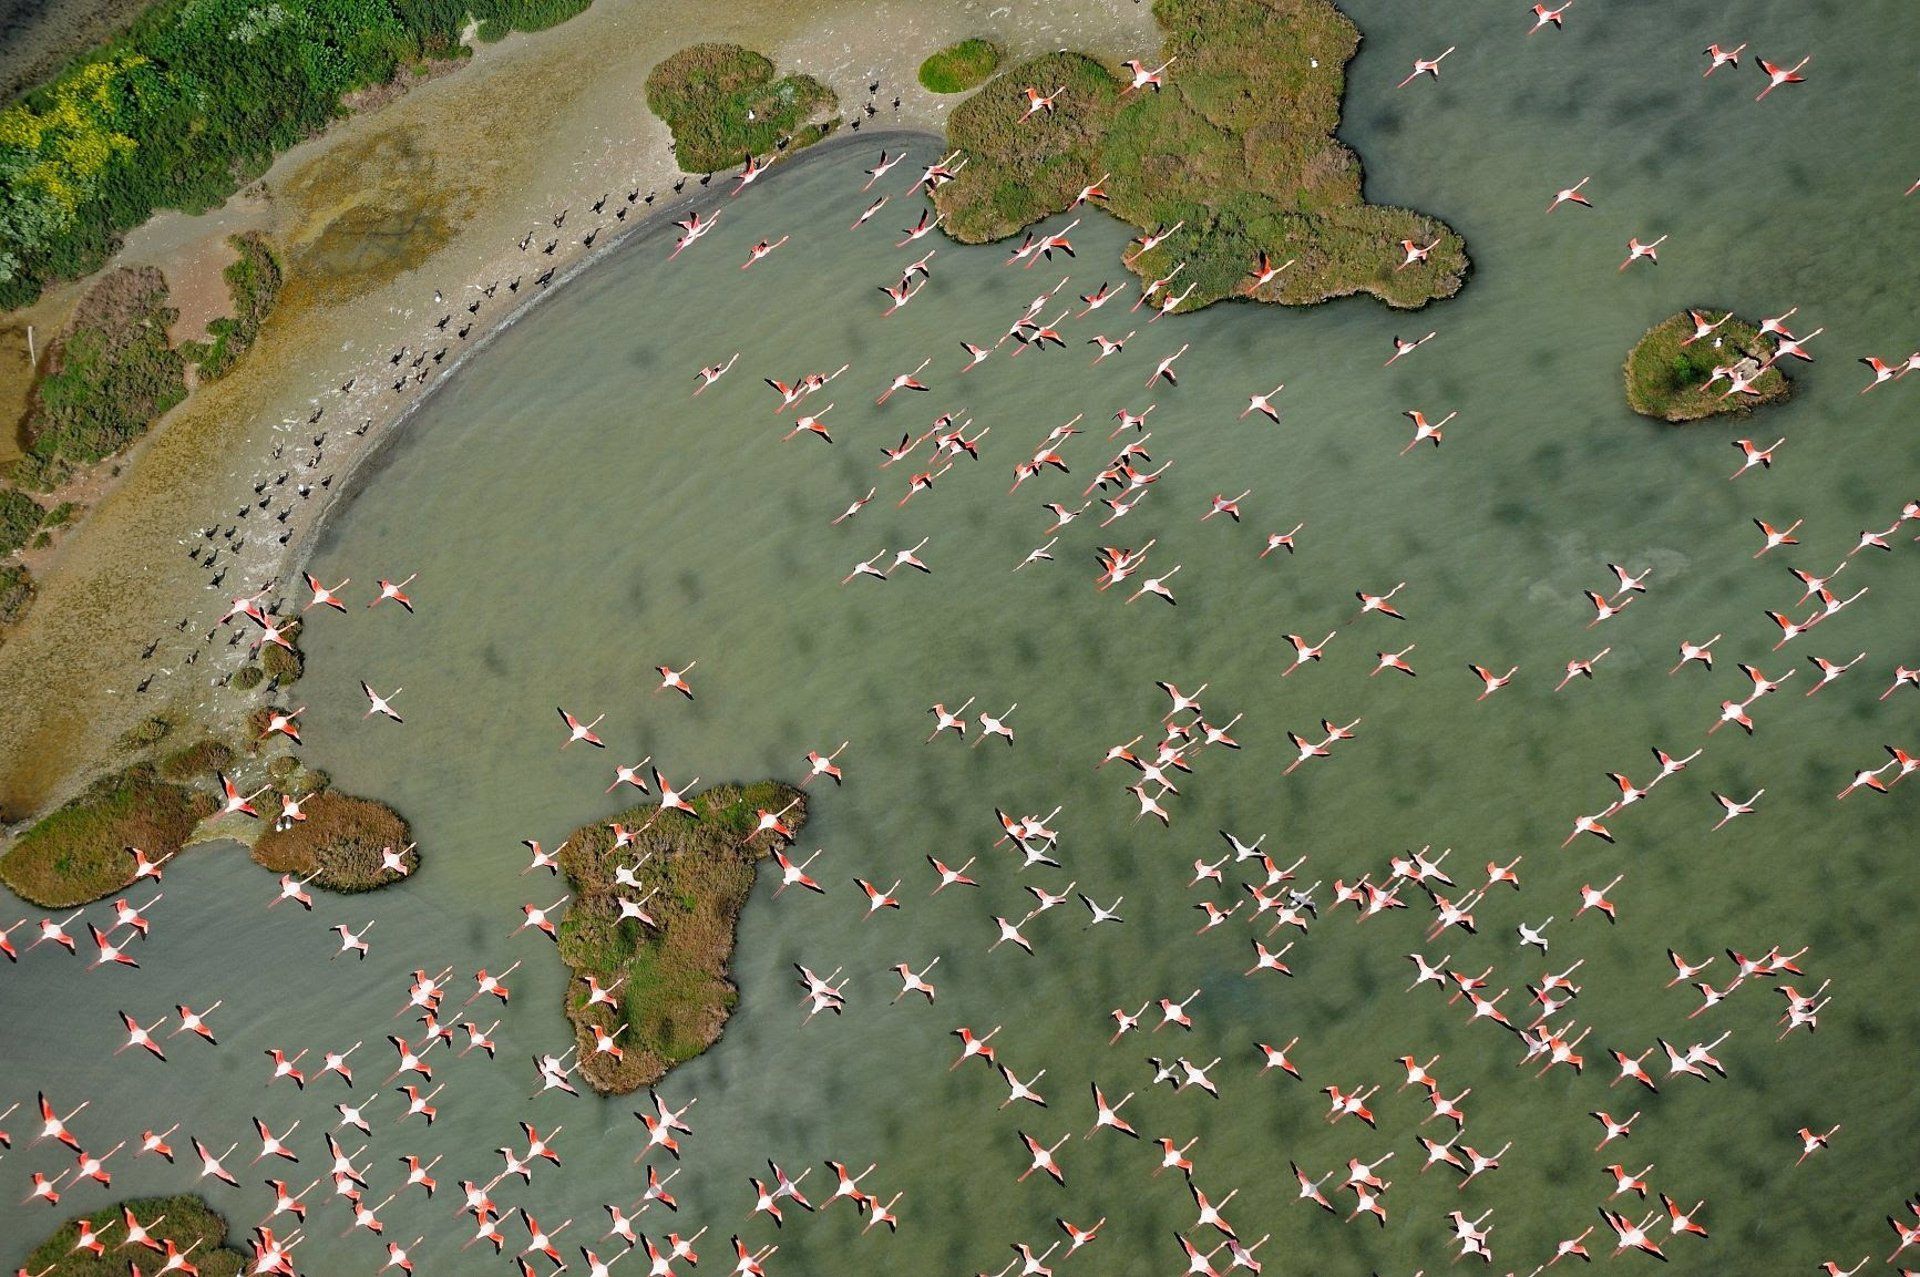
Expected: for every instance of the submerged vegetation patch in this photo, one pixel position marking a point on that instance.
(79, 853)
(188, 1222)
(1673, 378)
(672, 994)
(1238, 146)
(960, 67)
(724, 103)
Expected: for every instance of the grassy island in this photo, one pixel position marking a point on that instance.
(960, 67)
(340, 841)
(725, 103)
(676, 995)
(1239, 145)
(182, 1220)
(1668, 377)
(79, 853)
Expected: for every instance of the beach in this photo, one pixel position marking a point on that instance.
(432, 191)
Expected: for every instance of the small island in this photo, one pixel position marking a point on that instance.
(1671, 374)
(669, 981)
(171, 799)
(1237, 147)
(960, 67)
(724, 103)
(186, 1221)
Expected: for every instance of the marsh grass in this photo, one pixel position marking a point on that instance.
(253, 284)
(79, 853)
(677, 995)
(110, 375)
(183, 1220)
(20, 517)
(341, 840)
(1240, 145)
(724, 103)
(960, 67)
(1669, 381)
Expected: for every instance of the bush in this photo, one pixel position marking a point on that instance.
(146, 732)
(723, 103)
(1668, 381)
(677, 994)
(197, 761)
(193, 101)
(16, 593)
(20, 518)
(246, 678)
(341, 840)
(959, 67)
(79, 853)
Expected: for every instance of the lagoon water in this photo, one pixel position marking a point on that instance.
(576, 518)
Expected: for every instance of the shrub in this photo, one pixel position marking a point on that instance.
(16, 593)
(109, 375)
(1668, 381)
(723, 103)
(677, 994)
(146, 732)
(20, 518)
(246, 678)
(253, 284)
(959, 67)
(199, 760)
(192, 102)
(1240, 146)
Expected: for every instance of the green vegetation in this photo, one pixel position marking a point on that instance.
(281, 663)
(1669, 380)
(340, 841)
(110, 374)
(187, 1221)
(698, 870)
(503, 17)
(147, 732)
(724, 103)
(253, 281)
(200, 761)
(16, 593)
(960, 67)
(79, 853)
(247, 677)
(193, 101)
(20, 517)
(1240, 146)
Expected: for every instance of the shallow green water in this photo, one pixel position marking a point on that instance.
(576, 519)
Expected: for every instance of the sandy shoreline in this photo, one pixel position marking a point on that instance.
(433, 192)
(657, 223)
